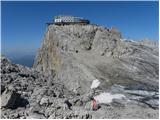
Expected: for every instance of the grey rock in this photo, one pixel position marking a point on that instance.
(14, 116)
(150, 43)
(36, 116)
(88, 106)
(36, 94)
(71, 57)
(154, 103)
(7, 66)
(117, 88)
(78, 102)
(44, 101)
(50, 111)
(79, 54)
(147, 97)
(10, 99)
(141, 93)
(120, 102)
(2, 88)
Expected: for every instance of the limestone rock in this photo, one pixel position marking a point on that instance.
(44, 100)
(117, 88)
(76, 55)
(154, 103)
(10, 99)
(70, 59)
(2, 88)
(36, 116)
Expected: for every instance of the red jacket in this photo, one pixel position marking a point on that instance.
(94, 104)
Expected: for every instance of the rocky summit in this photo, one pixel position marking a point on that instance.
(85, 72)
(78, 54)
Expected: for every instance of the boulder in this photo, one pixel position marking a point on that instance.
(44, 101)
(36, 116)
(154, 103)
(2, 88)
(10, 99)
(78, 102)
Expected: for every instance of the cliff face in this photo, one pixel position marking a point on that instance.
(78, 54)
(72, 61)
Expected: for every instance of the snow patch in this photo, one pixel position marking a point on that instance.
(123, 39)
(107, 98)
(128, 40)
(95, 83)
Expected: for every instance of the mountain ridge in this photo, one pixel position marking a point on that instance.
(79, 63)
(70, 47)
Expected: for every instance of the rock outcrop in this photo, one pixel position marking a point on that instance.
(25, 88)
(78, 54)
(77, 63)
(10, 99)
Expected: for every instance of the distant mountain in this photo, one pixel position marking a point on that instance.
(147, 42)
(26, 60)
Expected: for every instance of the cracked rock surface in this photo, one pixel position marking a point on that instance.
(78, 54)
(70, 59)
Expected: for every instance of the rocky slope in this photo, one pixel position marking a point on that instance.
(70, 60)
(79, 54)
(24, 91)
(27, 93)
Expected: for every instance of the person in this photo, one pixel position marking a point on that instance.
(67, 104)
(93, 104)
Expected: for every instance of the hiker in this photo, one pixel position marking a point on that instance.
(94, 104)
(67, 104)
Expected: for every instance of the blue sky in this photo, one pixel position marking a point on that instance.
(23, 23)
